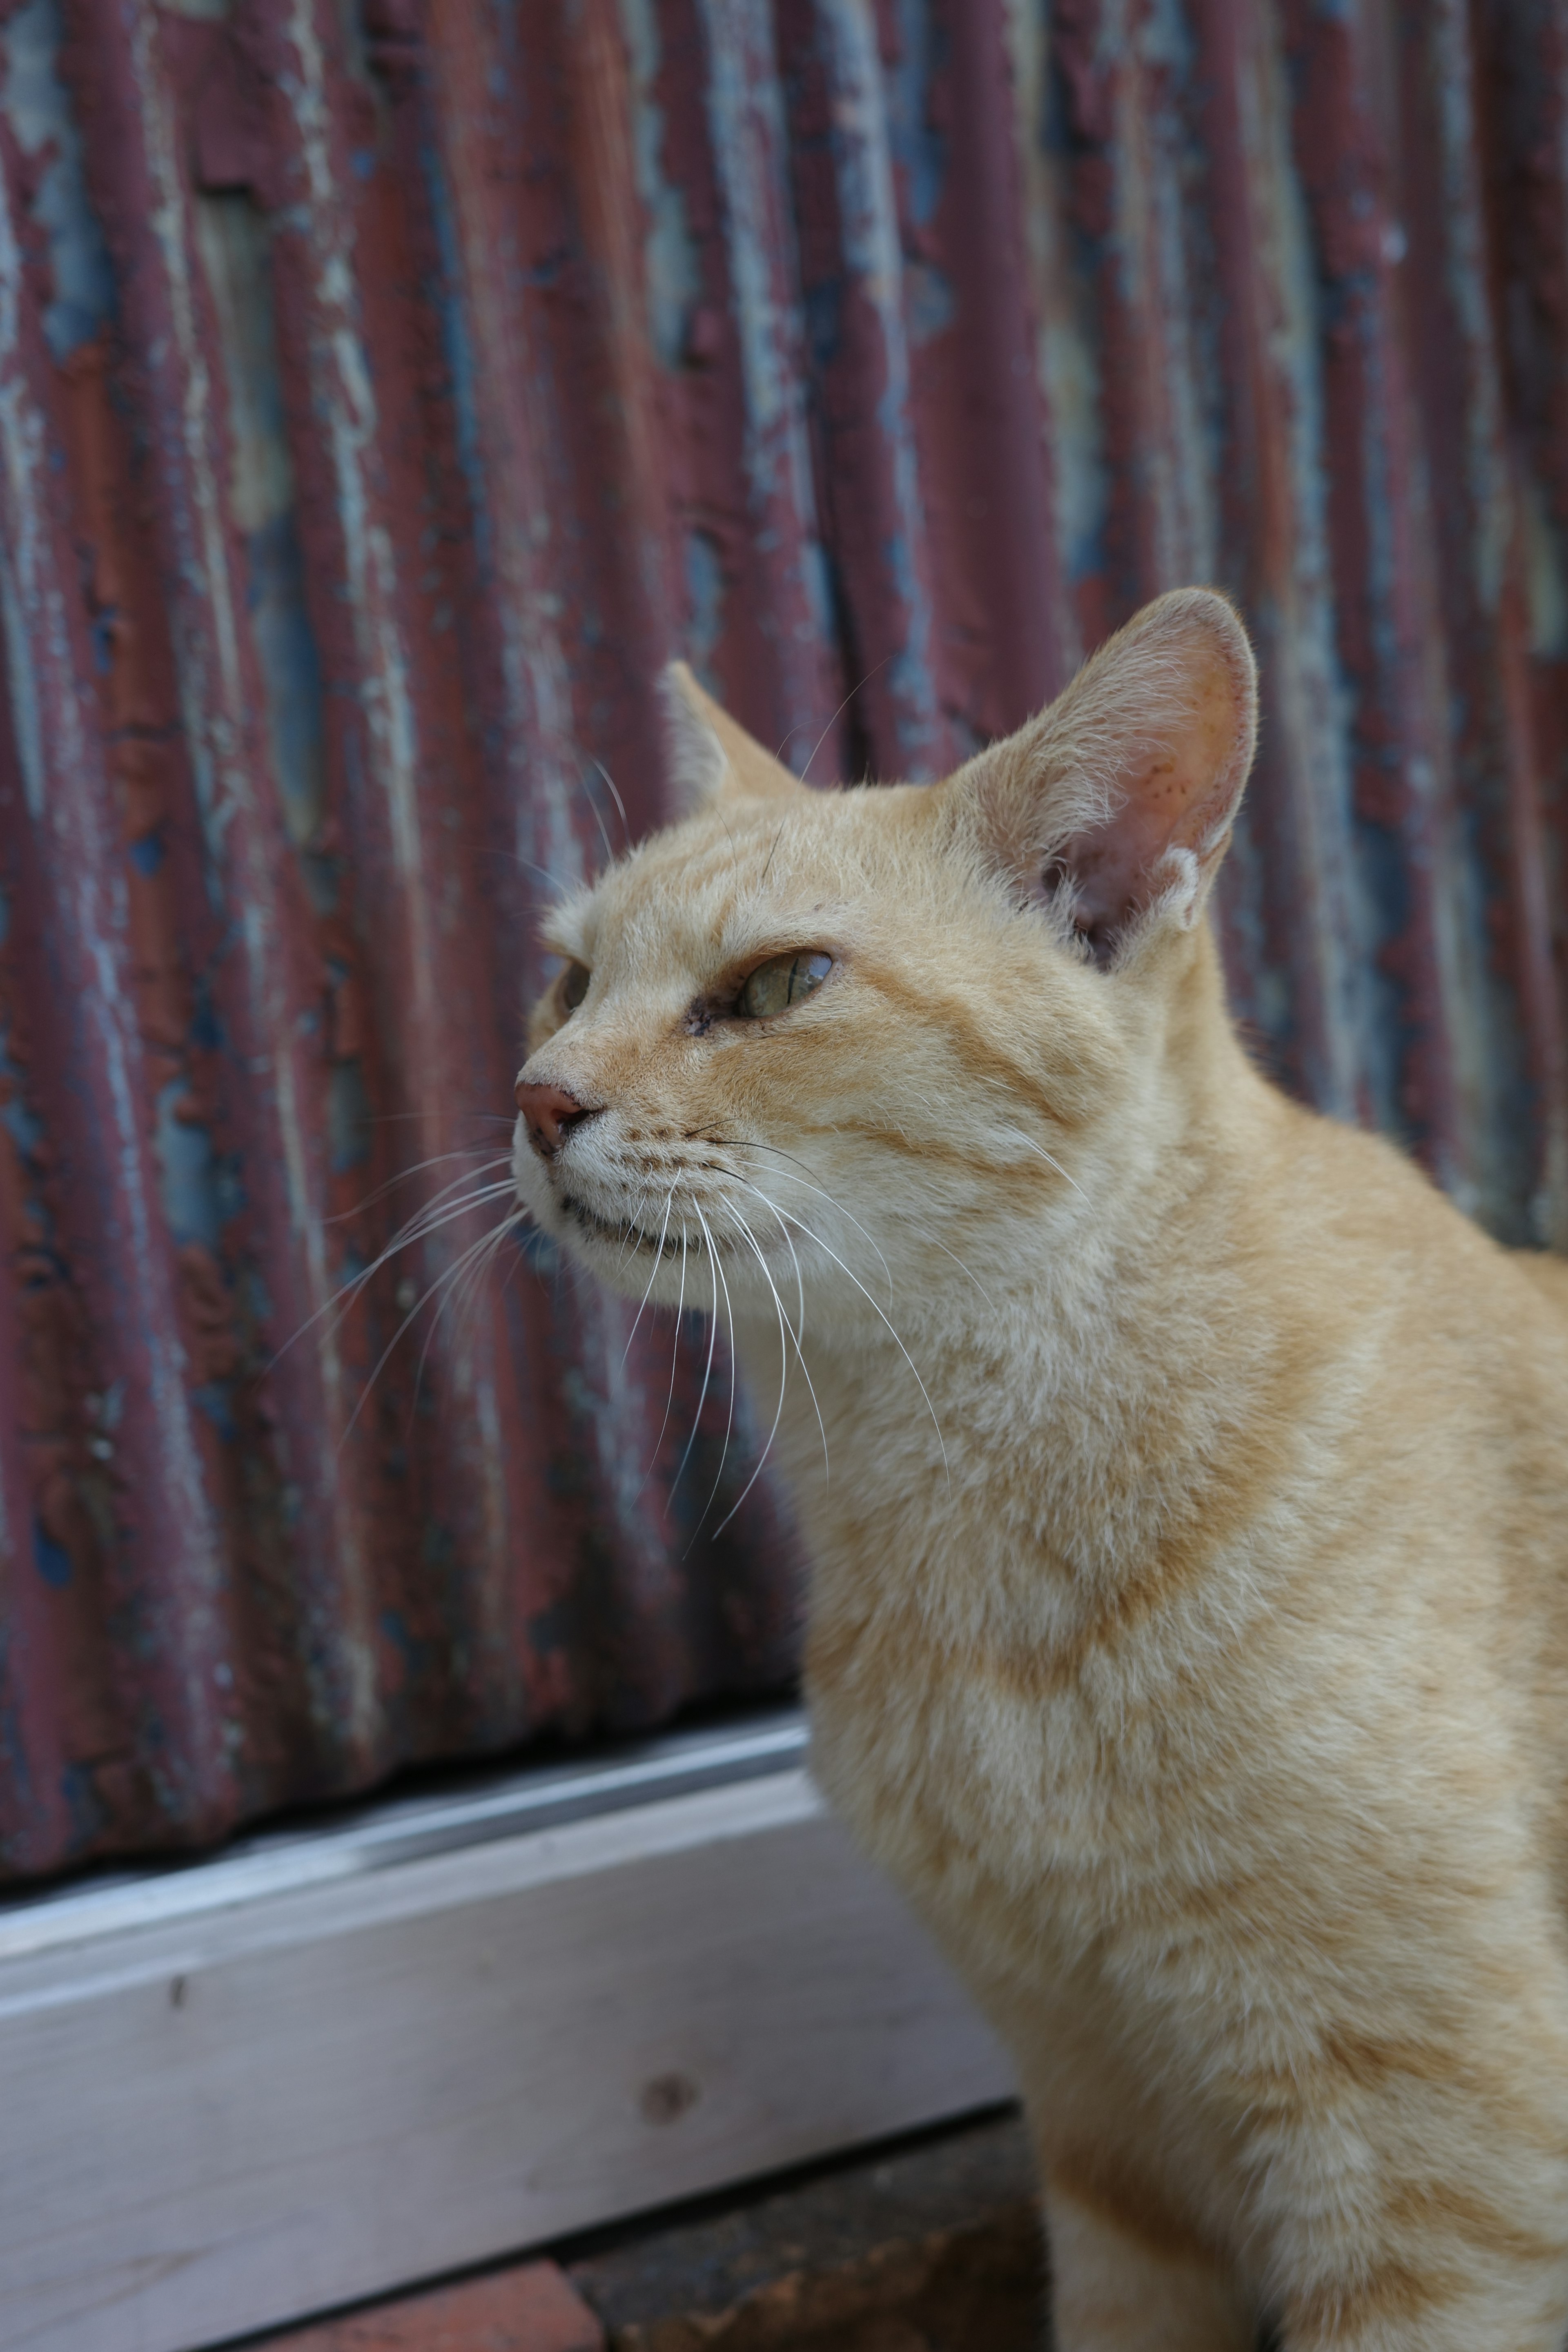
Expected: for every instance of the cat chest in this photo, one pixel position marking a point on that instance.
(994, 1786)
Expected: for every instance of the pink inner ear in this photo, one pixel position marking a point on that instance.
(1178, 796)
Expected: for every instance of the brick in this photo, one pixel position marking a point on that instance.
(530, 2308)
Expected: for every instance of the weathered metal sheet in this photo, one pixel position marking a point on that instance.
(384, 393)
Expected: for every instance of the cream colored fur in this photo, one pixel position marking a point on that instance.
(1189, 1617)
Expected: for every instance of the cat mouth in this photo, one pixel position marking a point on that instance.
(622, 1233)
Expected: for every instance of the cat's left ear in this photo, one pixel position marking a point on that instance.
(711, 758)
(1113, 809)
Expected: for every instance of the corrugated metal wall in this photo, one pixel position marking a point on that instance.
(384, 391)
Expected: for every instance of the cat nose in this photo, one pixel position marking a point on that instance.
(549, 1113)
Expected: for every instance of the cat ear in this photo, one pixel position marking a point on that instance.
(711, 757)
(1114, 807)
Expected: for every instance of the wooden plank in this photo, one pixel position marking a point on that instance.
(233, 2114)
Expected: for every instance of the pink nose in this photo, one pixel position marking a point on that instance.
(551, 1112)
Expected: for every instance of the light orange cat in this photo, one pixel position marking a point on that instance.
(1189, 1620)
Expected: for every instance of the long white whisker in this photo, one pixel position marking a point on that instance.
(707, 1367)
(440, 1281)
(610, 782)
(784, 1327)
(632, 1226)
(404, 1175)
(1041, 1153)
(903, 1351)
(783, 1378)
(797, 1335)
(730, 1419)
(657, 1261)
(476, 1260)
(674, 1364)
(343, 1297)
(788, 1241)
(926, 1235)
(731, 1143)
(430, 1221)
(598, 820)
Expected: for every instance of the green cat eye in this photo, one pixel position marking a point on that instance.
(781, 982)
(574, 985)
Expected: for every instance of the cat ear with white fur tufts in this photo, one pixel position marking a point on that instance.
(1113, 808)
(711, 759)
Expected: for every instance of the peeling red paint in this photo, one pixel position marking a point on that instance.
(382, 401)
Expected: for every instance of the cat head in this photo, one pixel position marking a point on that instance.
(876, 1042)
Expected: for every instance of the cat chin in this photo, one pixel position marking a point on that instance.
(631, 1243)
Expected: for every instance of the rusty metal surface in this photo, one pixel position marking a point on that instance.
(386, 388)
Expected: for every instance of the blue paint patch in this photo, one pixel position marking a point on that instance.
(215, 1400)
(39, 110)
(362, 162)
(51, 1560)
(291, 669)
(459, 350)
(255, 1299)
(188, 1173)
(25, 1129)
(823, 309)
(705, 614)
(348, 1116)
(4, 917)
(931, 305)
(671, 271)
(207, 1029)
(919, 149)
(147, 855)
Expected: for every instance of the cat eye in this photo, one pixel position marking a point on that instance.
(781, 982)
(574, 985)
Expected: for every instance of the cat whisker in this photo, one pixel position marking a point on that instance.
(798, 1332)
(598, 820)
(610, 786)
(733, 1143)
(1040, 1152)
(531, 866)
(633, 1226)
(674, 1363)
(729, 1420)
(417, 1229)
(405, 1175)
(789, 1244)
(785, 1326)
(442, 1206)
(477, 1260)
(837, 714)
(903, 1351)
(783, 1379)
(442, 1279)
(657, 1261)
(926, 1235)
(707, 1367)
